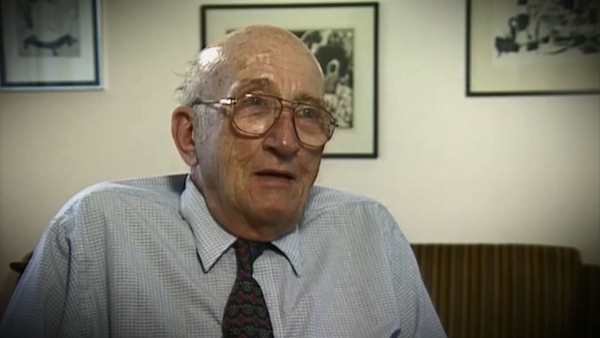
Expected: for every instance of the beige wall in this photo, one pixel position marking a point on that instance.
(451, 169)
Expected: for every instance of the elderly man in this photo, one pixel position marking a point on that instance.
(243, 246)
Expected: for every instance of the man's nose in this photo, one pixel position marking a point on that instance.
(281, 138)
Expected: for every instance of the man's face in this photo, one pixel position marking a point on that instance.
(240, 170)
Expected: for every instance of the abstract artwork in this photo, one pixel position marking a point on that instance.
(334, 50)
(343, 37)
(547, 28)
(528, 47)
(49, 44)
(48, 28)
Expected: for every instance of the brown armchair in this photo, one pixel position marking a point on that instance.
(506, 290)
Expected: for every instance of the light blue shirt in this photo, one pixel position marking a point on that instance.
(145, 258)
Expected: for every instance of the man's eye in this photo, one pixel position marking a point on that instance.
(309, 113)
(256, 101)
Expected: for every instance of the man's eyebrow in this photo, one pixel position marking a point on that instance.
(262, 83)
(246, 85)
(307, 98)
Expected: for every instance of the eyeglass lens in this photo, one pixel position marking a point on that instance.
(256, 114)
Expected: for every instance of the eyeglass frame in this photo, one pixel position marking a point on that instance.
(231, 101)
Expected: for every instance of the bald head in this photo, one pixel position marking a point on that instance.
(259, 35)
(259, 41)
(256, 51)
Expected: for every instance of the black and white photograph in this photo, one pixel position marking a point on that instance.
(334, 49)
(48, 28)
(533, 47)
(547, 28)
(343, 37)
(50, 45)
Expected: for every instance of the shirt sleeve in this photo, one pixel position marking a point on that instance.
(44, 302)
(416, 305)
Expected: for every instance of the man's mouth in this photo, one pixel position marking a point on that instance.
(273, 173)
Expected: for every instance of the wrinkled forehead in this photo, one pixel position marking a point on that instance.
(283, 68)
(276, 72)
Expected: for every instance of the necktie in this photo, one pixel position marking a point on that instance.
(246, 313)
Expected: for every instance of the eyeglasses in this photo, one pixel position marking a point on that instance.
(255, 114)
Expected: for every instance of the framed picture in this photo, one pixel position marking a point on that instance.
(533, 47)
(49, 45)
(344, 40)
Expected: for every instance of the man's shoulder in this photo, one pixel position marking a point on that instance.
(345, 206)
(322, 197)
(135, 193)
(325, 197)
(334, 217)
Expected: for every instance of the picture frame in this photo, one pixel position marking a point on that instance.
(532, 47)
(344, 40)
(50, 45)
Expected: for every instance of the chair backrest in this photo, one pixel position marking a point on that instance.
(589, 298)
(502, 290)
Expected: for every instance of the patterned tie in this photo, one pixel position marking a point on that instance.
(246, 313)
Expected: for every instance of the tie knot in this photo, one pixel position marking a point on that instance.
(247, 252)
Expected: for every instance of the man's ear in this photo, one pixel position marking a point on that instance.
(182, 130)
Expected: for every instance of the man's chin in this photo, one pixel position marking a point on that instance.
(273, 212)
(274, 206)
(275, 215)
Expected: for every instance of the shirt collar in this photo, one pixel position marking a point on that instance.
(290, 246)
(212, 240)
